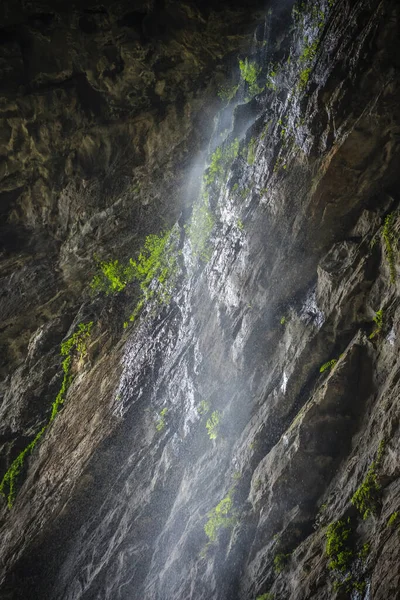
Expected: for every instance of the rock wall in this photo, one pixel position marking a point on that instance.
(286, 335)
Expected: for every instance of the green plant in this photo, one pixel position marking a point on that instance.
(283, 320)
(110, 279)
(378, 320)
(220, 517)
(304, 77)
(161, 419)
(393, 519)
(250, 73)
(251, 153)
(220, 160)
(388, 240)
(267, 596)
(367, 496)
(212, 425)
(203, 408)
(156, 269)
(75, 345)
(280, 562)
(227, 93)
(239, 224)
(365, 550)
(337, 547)
(309, 52)
(200, 228)
(328, 365)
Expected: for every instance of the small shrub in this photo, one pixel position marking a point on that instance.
(220, 161)
(283, 320)
(110, 279)
(367, 496)
(212, 425)
(220, 517)
(338, 548)
(378, 320)
(280, 562)
(250, 73)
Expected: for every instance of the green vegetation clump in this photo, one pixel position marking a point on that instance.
(251, 153)
(110, 279)
(227, 93)
(378, 320)
(73, 346)
(365, 550)
(250, 73)
(337, 547)
(155, 269)
(221, 160)
(283, 320)
(393, 519)
(199, 230)
(267, 596)
(388, 240)
(161, 419)
(367, 496)
(309, 52)
(212, 425)
(220, 517)
(304, 77)
(280, 562)
(203, 408)
(328, 365)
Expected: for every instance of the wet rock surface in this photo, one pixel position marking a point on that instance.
(275, 332)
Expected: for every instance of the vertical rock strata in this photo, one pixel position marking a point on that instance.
(241, 441)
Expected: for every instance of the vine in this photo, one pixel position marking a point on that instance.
(73, 346)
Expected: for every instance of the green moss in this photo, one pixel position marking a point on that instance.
(220, 161)
(328, 365)
(393, 519)
(156, 270)
(227, 93)
(160, 425)
(364, 552)
(251, 153)
(220, 517)
(199, 230)
(110, 279)
(338, 550)
(378, 320)
(267, 596)
(366, 498)
(75, 345)
(304, 77)
(203, 408)
(280, 562)
(250, 73)
(213, 424)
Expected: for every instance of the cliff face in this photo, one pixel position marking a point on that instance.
(240, 439)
